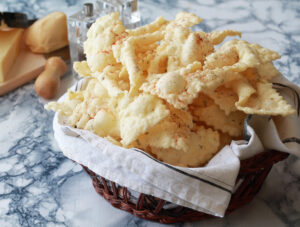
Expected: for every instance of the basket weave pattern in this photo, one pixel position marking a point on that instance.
(251, 176)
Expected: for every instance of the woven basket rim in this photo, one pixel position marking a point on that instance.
(253, 172)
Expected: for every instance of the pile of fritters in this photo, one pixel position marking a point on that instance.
(165, 89)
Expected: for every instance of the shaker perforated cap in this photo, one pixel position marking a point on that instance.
(88, 9)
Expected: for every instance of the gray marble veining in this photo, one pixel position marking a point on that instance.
(40, 187)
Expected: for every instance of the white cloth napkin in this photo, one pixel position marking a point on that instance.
(207, 189)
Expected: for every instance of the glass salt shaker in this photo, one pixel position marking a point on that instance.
(80, 22)
(78, 25)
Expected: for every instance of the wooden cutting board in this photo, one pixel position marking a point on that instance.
(26, 68)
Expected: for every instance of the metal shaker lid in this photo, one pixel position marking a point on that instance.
(88, 9)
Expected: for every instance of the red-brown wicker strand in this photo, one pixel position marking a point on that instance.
(159, 206)
(140, 201)
(115, 191)
(252, 174)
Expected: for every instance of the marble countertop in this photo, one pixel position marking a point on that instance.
(40, 187)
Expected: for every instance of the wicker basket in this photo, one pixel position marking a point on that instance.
(250, 179)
